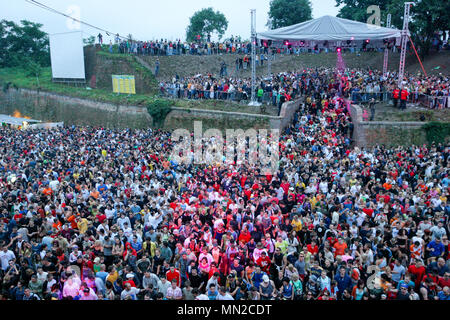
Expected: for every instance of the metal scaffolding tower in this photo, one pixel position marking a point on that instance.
(405, 38)
(386, 49)
(253, 102)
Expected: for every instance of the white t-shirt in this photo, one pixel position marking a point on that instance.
(54, 185)
(133, 292)
(5, 257)
(227, 296)
(109, 213)
(42, 276)
(437, 232)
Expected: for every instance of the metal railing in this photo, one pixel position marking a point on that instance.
(432, 102)
(172, 51)
(155, 51)
(236, 96)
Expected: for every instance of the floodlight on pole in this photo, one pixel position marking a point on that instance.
(253, 101)
(405, 39)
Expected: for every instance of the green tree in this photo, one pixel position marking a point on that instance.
(89, 41)
(34, 70)
(205, 22)
(427, 16)
(357, 10)
(158, 110)
(21, 43)
(284, 13)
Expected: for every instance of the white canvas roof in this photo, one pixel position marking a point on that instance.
(15, 121)
(331, 29)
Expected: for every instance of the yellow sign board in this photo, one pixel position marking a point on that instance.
(124, 84)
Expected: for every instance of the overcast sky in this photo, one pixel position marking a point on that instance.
(146, 19)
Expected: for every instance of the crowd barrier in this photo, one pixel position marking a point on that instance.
(236, 96)
(188, 51)
(155, 51)
(432, 102)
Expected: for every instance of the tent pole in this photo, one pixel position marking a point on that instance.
(386, 49)
(253, 95)
(418, 58)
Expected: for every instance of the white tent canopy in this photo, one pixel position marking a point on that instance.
(331, 29)
(15, 121)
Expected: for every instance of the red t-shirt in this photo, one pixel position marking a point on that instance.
(174, 275)
(443, 283)
(101, 217)
(131, 282)
(285, 187)
(245, 237)
(264, 263)
(314, 250)
(419, 273)
(368, 211)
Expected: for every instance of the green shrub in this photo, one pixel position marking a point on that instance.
(8, 85)
(159, 109)
(423, 115)
(437, 132)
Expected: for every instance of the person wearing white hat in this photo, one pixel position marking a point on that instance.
(267, 288)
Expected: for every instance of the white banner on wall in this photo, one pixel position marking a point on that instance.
(67, 55)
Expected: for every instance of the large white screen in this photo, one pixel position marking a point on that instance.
(67, 55)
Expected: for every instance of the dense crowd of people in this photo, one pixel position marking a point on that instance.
(274, 90)
(236, 45)
(99, 214)
(357, 85)
(431, 91)
(166, 47)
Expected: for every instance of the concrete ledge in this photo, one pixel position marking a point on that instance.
(364, 130)
(392, 123)
(275, 122)
(226, 112)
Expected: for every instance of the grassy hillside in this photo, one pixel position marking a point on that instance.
(20, 78)
(100, 64)
(103, 65)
